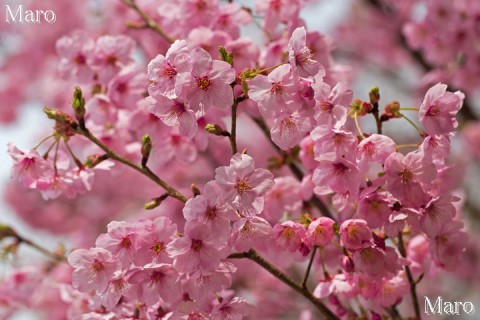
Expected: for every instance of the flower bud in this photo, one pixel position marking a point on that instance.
(225, 55)
(392, 110)
(374, 95)
(146, 149)
(6, 232)
(347, 264)
(152, 204)
(216, 130)
(78, 105)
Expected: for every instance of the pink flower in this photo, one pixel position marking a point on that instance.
(197, 249)
(439, 108)
(376, 262)
(289, 235)
(375, 148)
(127, 88)
(320, 232)
(28, 167)
(207, 83)
(374, 207)
(284, 197)
(448, 245)
(155, 282)
(162, 70)
(436, 215)
(404, 175)
(328, 140)
(336, 174)
(234, 309)
(200, 283)
(275, 93)
(332, 103)
(155, 236)
(94, 268)
(289, 129)
(229, 19)
(175, 112)
(117, 287)
(121, 239)
(247, 232)
(340, 284)
(243, 185)
(299, 56)
(74, 51)
(355, 234)
(209, 211)
(110, 55)
(171, 146)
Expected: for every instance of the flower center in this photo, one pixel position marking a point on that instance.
(97, 266)
(158, 247)
(339, 169)
(157, 276)
(196, 245)
(169, 71)
(243, 186)
(211, 213)
(326, 106)
(203, 83)
(111, 60)
(406, 176)
(80, 59)
(276, 88)
(289, 124)
(433, 111)
(126, 242)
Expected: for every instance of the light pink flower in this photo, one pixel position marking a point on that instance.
(436, 215)
(374, 207)
(336, 174)
(289, 235)
(122, 240)
(127, 88)
(320, 232)
(28, 166)
(299, 56)
(377, 263)
(275, 93)
(197, 249)
(229, 19)
(448, 245)
(404, 175)
(243, 185)
(247, 232)
(155, 236)
(162, 70)
(110, 55)
(207, 83)
(209, 211)
(93, 269)
(439, 108)
(331, 109)
(156, 281)
(231, 309)
(375, 148)
(284, 197)
(174, 112)
(289, 129)
(355, 234)
(74, 51)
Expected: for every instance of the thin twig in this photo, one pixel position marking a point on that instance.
(44, 251)
(309, 267)
(254, 256)
(148, 20)
(412, 283)
(233, 133)
(172, 192)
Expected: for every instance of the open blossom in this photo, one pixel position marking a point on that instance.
(289, 129)
(336, 174)
(405, 175)
(276, 92)
(232, 309)
(162, 70)
(355, 234)
(320, 232)
(110, 55)
(284, 197)
(289, 235)
(209, 211)
(197, 249)
(154, 237)
(376, 262)
(92, 269)
(332, 103)
(247, 232)
(28, 166)
(439, 108)
(244, 185)
(74, 51)
(206, 83)
(121, 239)
(174, 112)
(299, 56)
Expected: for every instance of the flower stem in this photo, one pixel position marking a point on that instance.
(413, 284)
(44, 251)
(254, 256)
(148, 20)
(309, 267)
(43, 140)
(355, 117)
(409, 109)
(172, 192)
(420, 131)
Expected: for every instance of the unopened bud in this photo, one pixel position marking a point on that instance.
(392, 110)
(216, 130)
(6, 232)
(225, 55)
(78, 105)
(195, 190)
(360, 107)
(374, 95)
(146, 149)
(347, 264)
(152, 204)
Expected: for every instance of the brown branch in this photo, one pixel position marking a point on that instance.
(148, 20)
(309, 267)
(412, 283)
(172, 192)
(254, 256)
